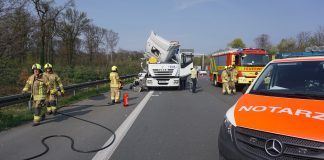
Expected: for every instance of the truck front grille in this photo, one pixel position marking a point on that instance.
(253, 143)
(163, 72)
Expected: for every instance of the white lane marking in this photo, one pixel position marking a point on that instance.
(155, 95)
(122, 130)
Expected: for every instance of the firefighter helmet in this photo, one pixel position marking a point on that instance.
(36, 66)
(48, 65)
(114, 68)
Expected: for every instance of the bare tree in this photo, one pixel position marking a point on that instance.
(15, 32)
(94, 38)
(72, 24)
(263, 41)
(287, 45)
(303, 40)
(47, 14)
(319, 36)
(112, 39)
(8, 6)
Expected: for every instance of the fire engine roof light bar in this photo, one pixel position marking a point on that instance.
(232, 50)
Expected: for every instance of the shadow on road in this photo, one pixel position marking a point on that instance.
(199, 89)
(98, 97)
(60, 118)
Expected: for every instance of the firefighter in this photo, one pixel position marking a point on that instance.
(55, 81)
(193, 77)
(233, 79)
(115, 84)
(225, 80)
(39, 84)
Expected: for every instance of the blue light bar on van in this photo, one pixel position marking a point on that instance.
(298, 54)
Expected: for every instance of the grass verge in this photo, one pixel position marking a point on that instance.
(15, 115)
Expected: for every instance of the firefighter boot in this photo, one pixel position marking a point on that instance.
(112, 102)
(36, 120)
(54, 109)
(49, 111)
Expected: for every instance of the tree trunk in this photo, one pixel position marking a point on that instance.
(42, 53)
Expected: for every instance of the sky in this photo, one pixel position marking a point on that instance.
(205, 25)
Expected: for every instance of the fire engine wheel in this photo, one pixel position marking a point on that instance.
(215, 81)
(217, 84)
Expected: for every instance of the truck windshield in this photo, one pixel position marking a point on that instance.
(255, 60)
(186, 59)
(294, 79)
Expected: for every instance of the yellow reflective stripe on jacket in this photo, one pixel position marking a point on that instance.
(39, 97)
(41, 88)
(53, 91)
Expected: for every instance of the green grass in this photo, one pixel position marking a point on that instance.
(14, 115)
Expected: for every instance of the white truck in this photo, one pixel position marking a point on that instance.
(171, 67)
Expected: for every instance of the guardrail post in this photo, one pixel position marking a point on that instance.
(74, 92)
(29, 104)
(97, 88)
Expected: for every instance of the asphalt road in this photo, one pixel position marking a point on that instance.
(170, 124)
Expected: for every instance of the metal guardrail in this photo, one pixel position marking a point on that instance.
(19, 98)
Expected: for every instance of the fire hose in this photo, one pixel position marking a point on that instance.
(72, 141)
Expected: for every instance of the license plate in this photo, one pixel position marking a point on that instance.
(163, 81)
